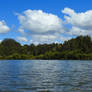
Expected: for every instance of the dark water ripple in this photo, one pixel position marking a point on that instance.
(45, 76)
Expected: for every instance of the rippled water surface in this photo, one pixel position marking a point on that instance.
(45, 76)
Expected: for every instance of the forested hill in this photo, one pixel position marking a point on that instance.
(75, 49)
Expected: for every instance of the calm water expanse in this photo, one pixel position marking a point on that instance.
(45, 76)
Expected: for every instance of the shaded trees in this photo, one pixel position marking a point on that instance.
(9, 46)
(76, 48)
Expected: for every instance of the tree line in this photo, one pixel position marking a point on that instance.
(79, 48)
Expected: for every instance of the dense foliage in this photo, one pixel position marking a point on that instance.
(78, 48)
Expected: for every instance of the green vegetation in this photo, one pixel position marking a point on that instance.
(79, 48)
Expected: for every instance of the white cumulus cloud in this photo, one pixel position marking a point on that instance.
(38, 21)
(81, 22)
(22, 39)
(0, 41)
(3, 27)
(21, 31)
(44, 27)
(40, 26)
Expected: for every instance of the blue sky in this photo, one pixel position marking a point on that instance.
(11, 10)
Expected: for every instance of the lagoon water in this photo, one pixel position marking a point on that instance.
(45, 76)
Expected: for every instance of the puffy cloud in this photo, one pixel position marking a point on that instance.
(38, 21)
(21, 30)
(48, 28)
(3, 27)
(79, 31)
(0, 41)
(64, 38)
(40, 26)
(81, 22)
(36, 39)
(22, 39)
(44, 38)
(68, 11)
